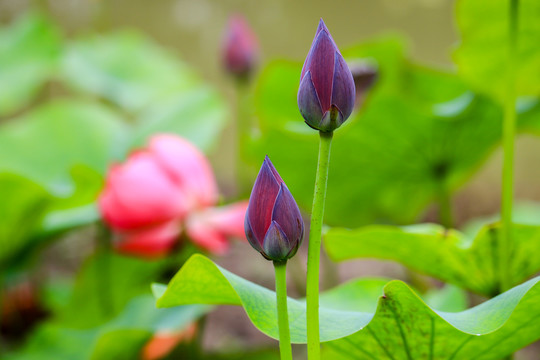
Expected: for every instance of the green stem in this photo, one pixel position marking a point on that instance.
(244, 130)
(509, 125)
(103, 269)
(314, 251)
(445, 207)
(283, 314)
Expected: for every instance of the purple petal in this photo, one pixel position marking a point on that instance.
(321, 67)
(343, 90)
(276, 245)
(262, 199)
(273, 169)
(308, 101)
(252, 239)
(287, 215)
(321, 27)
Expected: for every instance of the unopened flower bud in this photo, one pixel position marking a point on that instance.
(241, 48)
(364, 74)
(326, 95)
(273, 223)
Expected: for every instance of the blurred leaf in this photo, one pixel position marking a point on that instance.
(29, 50)
(449, 298)
(401, 327)
(120, 338)
(523, 212)
(105, 284)
(482, 56)
(143, 78)
(444, 254)
(77, 210)
(270, 354)
(198, 115)
(47, 144)
(126, 69)
(22, 208)
(421, 133)
(112, 345)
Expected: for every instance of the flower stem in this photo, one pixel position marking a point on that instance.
(314, 251)
(283, 315)
(103, 269)
(445, 207)
(509, 125)
(244, 131)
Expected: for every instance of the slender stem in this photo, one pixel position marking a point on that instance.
(283, 314)
(314, 251)
(244, 129)
(103, 269)
(445, 207)
(509, 125)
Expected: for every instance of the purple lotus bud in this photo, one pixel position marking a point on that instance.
(326, 95)
(241, 48)
(273, 224)
(364, 74)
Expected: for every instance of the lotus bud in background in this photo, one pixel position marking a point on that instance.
(148, 200)
(327, 93)
(241, 48)
(273, 224)
(364, 74)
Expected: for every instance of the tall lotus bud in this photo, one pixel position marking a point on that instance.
(326, 95)
(273, 224)
(241, 48)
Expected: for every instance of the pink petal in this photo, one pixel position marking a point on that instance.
(206, 237)
(150, 242)
(187, 167)
(211, 227)
(229, 220)
(139, 193)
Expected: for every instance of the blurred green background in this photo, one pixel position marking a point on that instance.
(193, 31)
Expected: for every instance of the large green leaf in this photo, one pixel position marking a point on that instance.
(29, 50)
(482, 56)
(399, 325)
(448, 255)
(48, 143)
(121, 338)
(405, 328)
(125, 68)
(200, 281)
(198, 115)
(421, 133)
(141, 77)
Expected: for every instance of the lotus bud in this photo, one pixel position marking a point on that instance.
(273, 224)
(326, 95)
(241, 48)
(364, 75)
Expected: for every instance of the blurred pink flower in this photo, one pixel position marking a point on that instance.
(241, 48)
(159, 191)
(163, 343)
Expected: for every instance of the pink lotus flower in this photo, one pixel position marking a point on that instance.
(161, 190)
